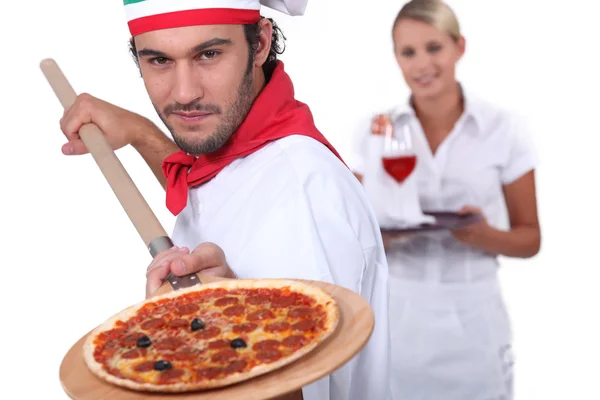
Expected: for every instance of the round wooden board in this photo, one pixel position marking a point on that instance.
(354, 329)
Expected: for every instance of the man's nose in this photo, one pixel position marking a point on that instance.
(187, 87)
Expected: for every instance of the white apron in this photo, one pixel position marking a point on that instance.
(449, 341)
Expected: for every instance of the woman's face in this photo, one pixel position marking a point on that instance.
(427, 57)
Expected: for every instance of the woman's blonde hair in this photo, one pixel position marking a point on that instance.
(433, 12)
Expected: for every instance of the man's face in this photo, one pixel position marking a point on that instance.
(200, 81)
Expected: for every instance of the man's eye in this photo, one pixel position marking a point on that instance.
(208, 55)
(159, 60)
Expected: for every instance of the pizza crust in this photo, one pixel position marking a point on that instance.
(321, 296)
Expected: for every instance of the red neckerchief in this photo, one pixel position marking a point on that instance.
(275, 114)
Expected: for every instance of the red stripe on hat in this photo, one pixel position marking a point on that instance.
(207, 16)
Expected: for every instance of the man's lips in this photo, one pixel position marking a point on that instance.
(191, 116)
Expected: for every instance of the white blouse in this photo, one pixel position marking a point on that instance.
(488, 148)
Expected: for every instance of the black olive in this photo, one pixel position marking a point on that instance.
(162, 365)
(238, 343)
(197, 324)
(144, 341)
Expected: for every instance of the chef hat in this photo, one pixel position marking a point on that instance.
(149, 15)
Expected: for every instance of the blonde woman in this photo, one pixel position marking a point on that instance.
(451, 336)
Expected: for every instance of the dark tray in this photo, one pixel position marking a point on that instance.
(444, 221)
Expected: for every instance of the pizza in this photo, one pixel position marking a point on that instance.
(210, 335)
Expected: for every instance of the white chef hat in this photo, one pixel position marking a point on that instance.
(149, 15)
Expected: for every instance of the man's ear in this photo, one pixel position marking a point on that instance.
(265, 29)
(133, 53)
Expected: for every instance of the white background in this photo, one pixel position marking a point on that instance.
(71, 257)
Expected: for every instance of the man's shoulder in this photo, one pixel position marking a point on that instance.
(286, 163)
(310, 167)
(307, 157)
(327, 185)
(296, 157)
(304, 165)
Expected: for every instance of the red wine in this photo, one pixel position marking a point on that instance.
(401, 167)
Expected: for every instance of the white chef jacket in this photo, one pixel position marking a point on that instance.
(488, 147)
(293, 210)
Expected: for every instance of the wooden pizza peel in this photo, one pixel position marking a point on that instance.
(353, 331)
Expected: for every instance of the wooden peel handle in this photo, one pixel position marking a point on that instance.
(144, 220)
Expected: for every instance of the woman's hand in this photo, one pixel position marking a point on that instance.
(475, 234)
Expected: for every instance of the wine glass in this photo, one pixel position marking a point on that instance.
(399, 159)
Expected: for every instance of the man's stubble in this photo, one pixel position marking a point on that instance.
(231, 119)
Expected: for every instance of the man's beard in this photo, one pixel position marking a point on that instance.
(231, 120)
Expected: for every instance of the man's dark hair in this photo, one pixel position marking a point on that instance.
(252, 34)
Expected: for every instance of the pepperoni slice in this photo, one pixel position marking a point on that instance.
(208, 333)
(224, 356)
(115, 372)
(304, 325)
(268, 344)
(146, 366)
(113, 333)
(109, 349)
(105, 354)
(215, 293)
(133, 322)
(196, 297)
(300, 312)
(219, 344)
(177, 323)
(131, 339)
(226, 301)
(268, 356)
(234, 311)
(207, 373)
(187, 309)
(171, 343)
(295, 341)
(111, 344)
(258, 300)
(235, 366)
(186, 354)
(171, 374)
(154, 323)
(281, 326)
(283, 301)
(135, 353)
(245, 328)
(260, 315)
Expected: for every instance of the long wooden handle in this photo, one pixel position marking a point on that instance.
(144, 220)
